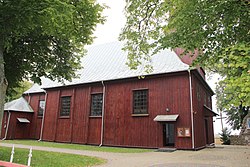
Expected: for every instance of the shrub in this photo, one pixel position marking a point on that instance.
(225, 136)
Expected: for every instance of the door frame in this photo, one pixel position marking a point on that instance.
(164, 131)
(206, 130)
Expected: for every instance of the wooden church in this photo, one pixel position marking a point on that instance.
(110, 105)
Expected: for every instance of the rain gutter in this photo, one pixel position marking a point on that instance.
(41, 132)
(6, 131)
(191, 107)
(103, 109)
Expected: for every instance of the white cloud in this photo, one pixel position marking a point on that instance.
(111, 29)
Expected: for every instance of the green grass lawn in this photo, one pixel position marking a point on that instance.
(77, 146)
(49, 159)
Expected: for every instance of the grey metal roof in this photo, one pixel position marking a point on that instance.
(108, 62)
(20, 105)
(34, 89)
(23, 120)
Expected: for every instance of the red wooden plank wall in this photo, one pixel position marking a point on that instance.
(50, 117)
(4, 124)
(23, 130)
(199, 113)
(33, 101)
(80, 123)
(121, 128)
(78, 127)
(19, 130)
(63, 124)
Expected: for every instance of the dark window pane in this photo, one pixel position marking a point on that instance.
(65, 106)
(198, 93)
(96, 104)
(140, 102)
(205, 99)
(41, 107)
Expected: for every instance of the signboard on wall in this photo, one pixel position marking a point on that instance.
(183, 132)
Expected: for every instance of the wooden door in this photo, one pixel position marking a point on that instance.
(168, 134)
(206, 131)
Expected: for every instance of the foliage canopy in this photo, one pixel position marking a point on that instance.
(45, 38)
(219, 29)
(16, 92)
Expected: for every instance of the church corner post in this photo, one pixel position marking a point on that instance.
(3, 83)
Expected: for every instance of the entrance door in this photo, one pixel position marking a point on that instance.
(168, 134)
(206, 131)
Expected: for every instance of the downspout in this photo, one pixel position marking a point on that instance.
(103, 107)
(6, 131)
(191, 107)
(45, 101)
(29, 98)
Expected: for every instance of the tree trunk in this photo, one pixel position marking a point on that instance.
(3, 83)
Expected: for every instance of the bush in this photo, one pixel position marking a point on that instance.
(225, 136)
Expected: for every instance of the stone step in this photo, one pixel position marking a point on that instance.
(210, 145)
(166, 149)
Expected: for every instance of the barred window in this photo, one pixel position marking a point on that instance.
(209, 101)
(41, 107)
(65, 106)
(205, 99)
(198, 92)
(96, 104)
(140, 102)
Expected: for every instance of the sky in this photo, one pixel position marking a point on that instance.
(115, 20)
(110, 30)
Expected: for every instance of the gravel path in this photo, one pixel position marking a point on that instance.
(220, 156)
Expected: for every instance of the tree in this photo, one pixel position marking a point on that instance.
(218, 29)
(16, 92)
(235, 114)
(43, 38)
(225, 136)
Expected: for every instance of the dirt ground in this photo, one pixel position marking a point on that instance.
(220, 156)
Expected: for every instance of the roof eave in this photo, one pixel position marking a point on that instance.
(209, 109)
(108, 80)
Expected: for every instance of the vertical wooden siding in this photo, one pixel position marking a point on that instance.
(50, 117)
(19, 130)
(123, 129)
(120, 127)
(199, 114)
(63, 126)
(33, 101)
(94, 124)
(4, 124)
(80, 125)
